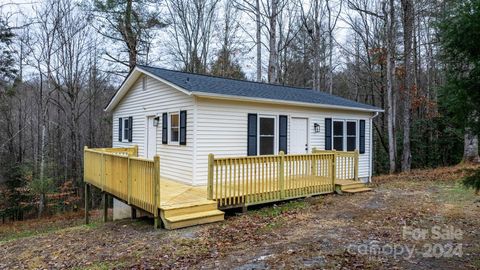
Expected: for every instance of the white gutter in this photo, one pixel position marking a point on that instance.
(371, 147)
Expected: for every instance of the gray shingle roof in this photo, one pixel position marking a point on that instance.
(231, 87)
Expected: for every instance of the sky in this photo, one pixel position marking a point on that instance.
(18, 10)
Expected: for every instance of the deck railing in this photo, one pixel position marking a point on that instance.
(118, 171)
(346, 164)
(241, 181)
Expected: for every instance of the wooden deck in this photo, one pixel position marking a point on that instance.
(232, 182)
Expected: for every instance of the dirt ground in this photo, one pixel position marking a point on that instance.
(421, 220)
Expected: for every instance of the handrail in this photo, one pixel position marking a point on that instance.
(234, 181)
(118, 171)
(346, 163)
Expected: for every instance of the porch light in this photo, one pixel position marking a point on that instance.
(316, 127)
(156, 121)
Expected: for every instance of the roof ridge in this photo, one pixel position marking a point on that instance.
(240, 80)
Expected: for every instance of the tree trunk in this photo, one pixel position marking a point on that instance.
(259, 42)
(272, 60)
(392, 148)
(470, 151)
(408, 18)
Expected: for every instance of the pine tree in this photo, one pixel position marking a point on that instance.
(460, 36)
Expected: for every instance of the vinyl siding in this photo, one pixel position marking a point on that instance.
(221, 129)
(176, 161)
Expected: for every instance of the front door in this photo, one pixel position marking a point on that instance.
(299, 135)
(151, 142)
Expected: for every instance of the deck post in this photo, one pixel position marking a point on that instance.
(156, 203)
(87, 205)
(334, 168)
(129, 180)
(135, 150)
(355, 174)
(134, 212)
(281, 175)
(105, 206)
(211, 159)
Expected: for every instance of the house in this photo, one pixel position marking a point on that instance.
(186, 145)
(183, 117)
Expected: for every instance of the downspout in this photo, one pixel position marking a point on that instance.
(370, 165)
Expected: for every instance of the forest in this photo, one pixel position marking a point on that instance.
(62, 60)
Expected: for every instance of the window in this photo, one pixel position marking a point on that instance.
(338, 135)
(174, 127)
(266, 135)
(126, 129)
(344, 135)
(351, 136)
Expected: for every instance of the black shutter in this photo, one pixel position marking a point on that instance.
(130, 128)
(120, 129)
(164, 128)
(183, 127)
(362, 137)
(282, 133)
(252, 135)
(328, 133)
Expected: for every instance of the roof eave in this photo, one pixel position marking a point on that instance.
(286, 102)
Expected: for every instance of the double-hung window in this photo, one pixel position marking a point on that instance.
(344, 135)
(174, 127)
(338, 135)
(266, 135)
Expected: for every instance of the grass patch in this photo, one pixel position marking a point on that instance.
(277, 210)
(456, 193)
(16, 235)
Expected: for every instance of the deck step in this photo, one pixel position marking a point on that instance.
(356, 190)
(352, 186)
(188, 208)
(186, 220)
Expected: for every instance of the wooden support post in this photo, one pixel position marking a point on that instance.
(129, 181)
(134, 212)
(156, 184)
(355, 174)
(105, 206)
(211, 160)
(281, 175)
(135, 151)
(244, 209)
(87, 203)
(334, 168)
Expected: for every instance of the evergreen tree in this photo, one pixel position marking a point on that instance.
(225, 66)
(460, 36)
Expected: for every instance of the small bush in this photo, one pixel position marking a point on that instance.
(473, 181)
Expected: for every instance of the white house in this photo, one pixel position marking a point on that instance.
(183, 117)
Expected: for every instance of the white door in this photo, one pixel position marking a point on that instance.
(151, 147)
(298, 135)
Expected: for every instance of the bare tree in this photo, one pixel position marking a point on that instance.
(332, 23)
(408, 84)
(191, 31)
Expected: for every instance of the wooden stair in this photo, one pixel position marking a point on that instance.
(189, 214)
(349, 186)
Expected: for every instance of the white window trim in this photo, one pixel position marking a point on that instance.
(275, 132)
(357, 133)
(169, 135)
